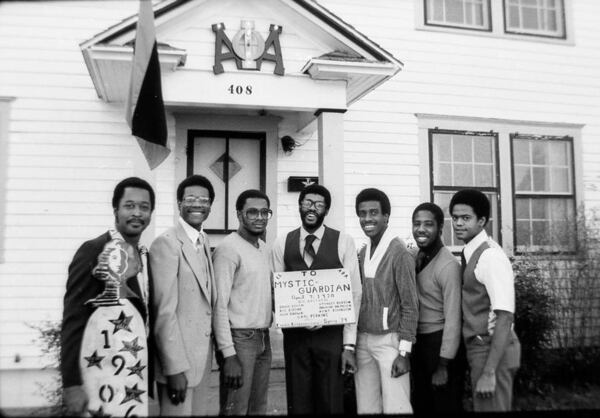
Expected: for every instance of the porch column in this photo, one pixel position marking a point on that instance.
(331, 162)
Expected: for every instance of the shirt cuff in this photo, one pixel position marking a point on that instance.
(405, 346)
(228, 351)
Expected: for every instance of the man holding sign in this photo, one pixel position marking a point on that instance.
(388, 314)
(313, 363)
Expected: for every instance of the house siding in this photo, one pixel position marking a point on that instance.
(66, 148)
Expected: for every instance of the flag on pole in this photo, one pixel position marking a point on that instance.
(145, 110)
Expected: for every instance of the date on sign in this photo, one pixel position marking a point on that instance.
(239, 90)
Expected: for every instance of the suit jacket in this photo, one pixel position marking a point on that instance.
(181, 306)
(82, 286)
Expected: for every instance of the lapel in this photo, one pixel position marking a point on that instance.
(191, 256)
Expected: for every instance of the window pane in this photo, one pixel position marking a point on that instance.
(523, 233)
(483, 150)
(539, 151)
(443, 174)
(442, 144)
(521, 152)
(484, 175)
(522, 208)
(462, 150)
(539, 208)
(530, 18)
(463, 175)
(522, 179)
(537, 17)
(454, 11)
(540, 179)
(560, 180)
(458, 13)
(559, 152)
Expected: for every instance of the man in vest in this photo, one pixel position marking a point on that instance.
(316, 357)
(488, 305)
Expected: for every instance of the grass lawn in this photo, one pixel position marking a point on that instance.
(578, 396)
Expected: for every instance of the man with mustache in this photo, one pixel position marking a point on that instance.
(488, 305)
(438, 372)
(183, 298)
(133, 203)
(243, 311)
(316, 357)
(388, 312)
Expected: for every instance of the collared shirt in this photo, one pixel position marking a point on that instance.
(346, 254)
(193, 234)
(495, 272)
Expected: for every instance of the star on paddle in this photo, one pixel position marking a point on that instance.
(99, 413)
(132, 346)
(122, 322)
(132, 394)
(137, 369)
(94, 360)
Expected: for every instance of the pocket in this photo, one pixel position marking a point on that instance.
(385, 318)
(242, 334)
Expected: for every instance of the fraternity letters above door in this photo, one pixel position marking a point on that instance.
(233, 162)
(247, 48)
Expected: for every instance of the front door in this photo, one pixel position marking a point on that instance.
(233, 162)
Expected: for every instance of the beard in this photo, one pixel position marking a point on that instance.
(317, 223)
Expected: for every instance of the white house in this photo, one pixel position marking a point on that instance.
(415, 97)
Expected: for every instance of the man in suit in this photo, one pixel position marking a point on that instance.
(316, 357)
(133, 203)
(182, 302)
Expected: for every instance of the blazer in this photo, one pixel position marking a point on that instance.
(82, 286)
(182, 305)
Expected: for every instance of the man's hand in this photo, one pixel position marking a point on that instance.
(76, 400)
(314, 327)
(232, 372)
(176, 388)
(440, 376)
(400, 366)
(486, 384)
(348, 362)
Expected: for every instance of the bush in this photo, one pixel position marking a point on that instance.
(49, 338)
(534, 322)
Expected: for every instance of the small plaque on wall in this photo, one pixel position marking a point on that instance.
(296, 183)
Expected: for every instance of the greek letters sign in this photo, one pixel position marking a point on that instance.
(313, 297)
(248, 49)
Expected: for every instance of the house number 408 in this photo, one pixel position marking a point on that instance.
(240, 89)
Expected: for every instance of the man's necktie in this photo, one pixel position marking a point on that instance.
(308, 246)
(463, 263)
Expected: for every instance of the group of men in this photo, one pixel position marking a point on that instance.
(415, 311)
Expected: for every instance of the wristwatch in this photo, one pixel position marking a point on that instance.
(403, 353)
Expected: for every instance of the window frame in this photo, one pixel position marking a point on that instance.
(486, 189)
(539, 249)
(487, 13)
(261, 137)
(523, 32)
(5, 104)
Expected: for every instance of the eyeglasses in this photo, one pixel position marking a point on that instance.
(190, 200)
(253, 213)
(307, 203)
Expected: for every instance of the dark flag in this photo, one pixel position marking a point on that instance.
(145, 110)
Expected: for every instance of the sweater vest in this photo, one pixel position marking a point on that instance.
(326, 258)
(476, 304)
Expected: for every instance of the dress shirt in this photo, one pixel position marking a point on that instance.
(346, 254)
(495, 272)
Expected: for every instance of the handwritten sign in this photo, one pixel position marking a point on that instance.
(313, 297)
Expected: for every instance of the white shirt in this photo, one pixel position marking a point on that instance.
(495, 272)
(193, 234)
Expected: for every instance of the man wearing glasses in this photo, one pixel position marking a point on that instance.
(243, 311)
(316, 357)
(183, 297)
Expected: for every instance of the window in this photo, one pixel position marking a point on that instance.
(529, 172)
(534, 17)
(463, 159)
(545, 215)
(468, 14)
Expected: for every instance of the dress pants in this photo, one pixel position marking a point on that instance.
(477, 353)
(425, 358)
(376, 390)
(314, 382)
